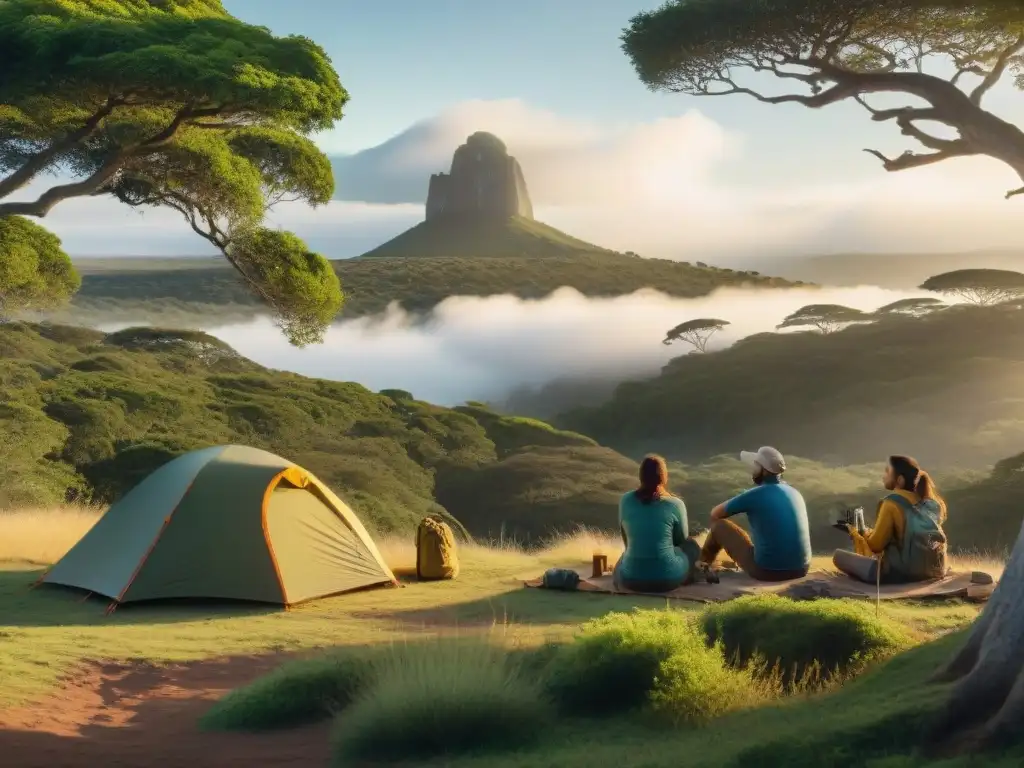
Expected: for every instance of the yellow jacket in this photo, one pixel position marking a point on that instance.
(889, 524)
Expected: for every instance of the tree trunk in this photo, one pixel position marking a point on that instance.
(986, 703)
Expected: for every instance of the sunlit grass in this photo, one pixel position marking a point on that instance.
(46, 632)
(42, 536)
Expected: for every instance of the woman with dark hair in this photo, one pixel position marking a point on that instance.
(907, 542)
(659, 554)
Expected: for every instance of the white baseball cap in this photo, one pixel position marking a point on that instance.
(767, 458)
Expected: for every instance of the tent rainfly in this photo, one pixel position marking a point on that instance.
(228, 522)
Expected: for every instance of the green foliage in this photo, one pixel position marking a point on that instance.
(300, 285)
(824, 638)
(828, 51)
(625, 661)
(986, 515)
(978, 286)
(175, 104)
(511, 434)
(441, 698)
(850, 397)
(294, 694)
(539, 492)
(35, 273)
(198, 292)
(913, 306)
(827, 318)
(90, 416)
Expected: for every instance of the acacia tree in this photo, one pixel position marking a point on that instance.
(696, 333)
(849, 50)
(843, 50)
(914, 307)
(982, 287)
(826, 318)
(174, 103)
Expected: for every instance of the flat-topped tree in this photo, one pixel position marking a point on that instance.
(942, 56)
(982, 287)
(696, 333)
(826, 318)
(914, 307)
(174, 103)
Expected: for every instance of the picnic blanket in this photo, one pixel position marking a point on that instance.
(966, 585)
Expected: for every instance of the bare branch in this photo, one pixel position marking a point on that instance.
(39, 162)
(831, 95)
(910, 159)
(1014, 193)
(997, 71)
(102, 176)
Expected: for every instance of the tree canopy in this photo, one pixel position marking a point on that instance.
(35, 273)
(915, 307)
(978, 286)
(173, 103)
(827, 318)
(696, 333)
(846, 50)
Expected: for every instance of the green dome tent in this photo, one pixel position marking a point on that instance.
(227, 522)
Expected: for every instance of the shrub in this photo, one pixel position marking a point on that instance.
(294, 694)
(624, 661)
(441, 698)
(802, 638)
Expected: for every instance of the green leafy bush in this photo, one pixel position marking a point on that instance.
(294, 694)
(440, 698)
(823, 638)
(625, 661)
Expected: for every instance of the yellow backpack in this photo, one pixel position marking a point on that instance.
(436, 557)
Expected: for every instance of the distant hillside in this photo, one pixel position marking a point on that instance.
(887, 270)
(191, 292)
(945, 388)
(470, 237)
(85, 416)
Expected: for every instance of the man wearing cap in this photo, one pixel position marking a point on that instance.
(779, 547)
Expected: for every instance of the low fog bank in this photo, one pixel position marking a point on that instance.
(489, 349)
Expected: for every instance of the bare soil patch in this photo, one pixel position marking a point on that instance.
(142, 714)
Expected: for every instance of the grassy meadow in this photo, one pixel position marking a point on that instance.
(47, 630)
(416, 638)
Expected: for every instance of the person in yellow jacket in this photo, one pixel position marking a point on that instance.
(911, 492)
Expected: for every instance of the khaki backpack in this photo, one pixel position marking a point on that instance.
(436, 557)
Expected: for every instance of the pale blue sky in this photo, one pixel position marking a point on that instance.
(405, 60)
(550, 77)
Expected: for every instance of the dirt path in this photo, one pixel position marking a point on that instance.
(141, 715)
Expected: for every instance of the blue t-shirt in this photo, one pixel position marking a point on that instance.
(653, 531)
(778, 524)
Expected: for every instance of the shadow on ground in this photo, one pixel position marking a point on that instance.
(46, 605)
(532, 607)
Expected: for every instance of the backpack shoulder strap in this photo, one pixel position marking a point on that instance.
(902, 501)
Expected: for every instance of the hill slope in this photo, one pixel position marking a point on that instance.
(190, 292)
(483, 238)
(84, 417)
(944, 388)
(887, 270)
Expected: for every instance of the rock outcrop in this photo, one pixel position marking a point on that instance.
(484, 182)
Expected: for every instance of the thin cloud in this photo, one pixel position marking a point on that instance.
(486, 348)
(665, 188)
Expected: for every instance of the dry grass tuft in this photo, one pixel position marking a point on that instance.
(43, 536)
